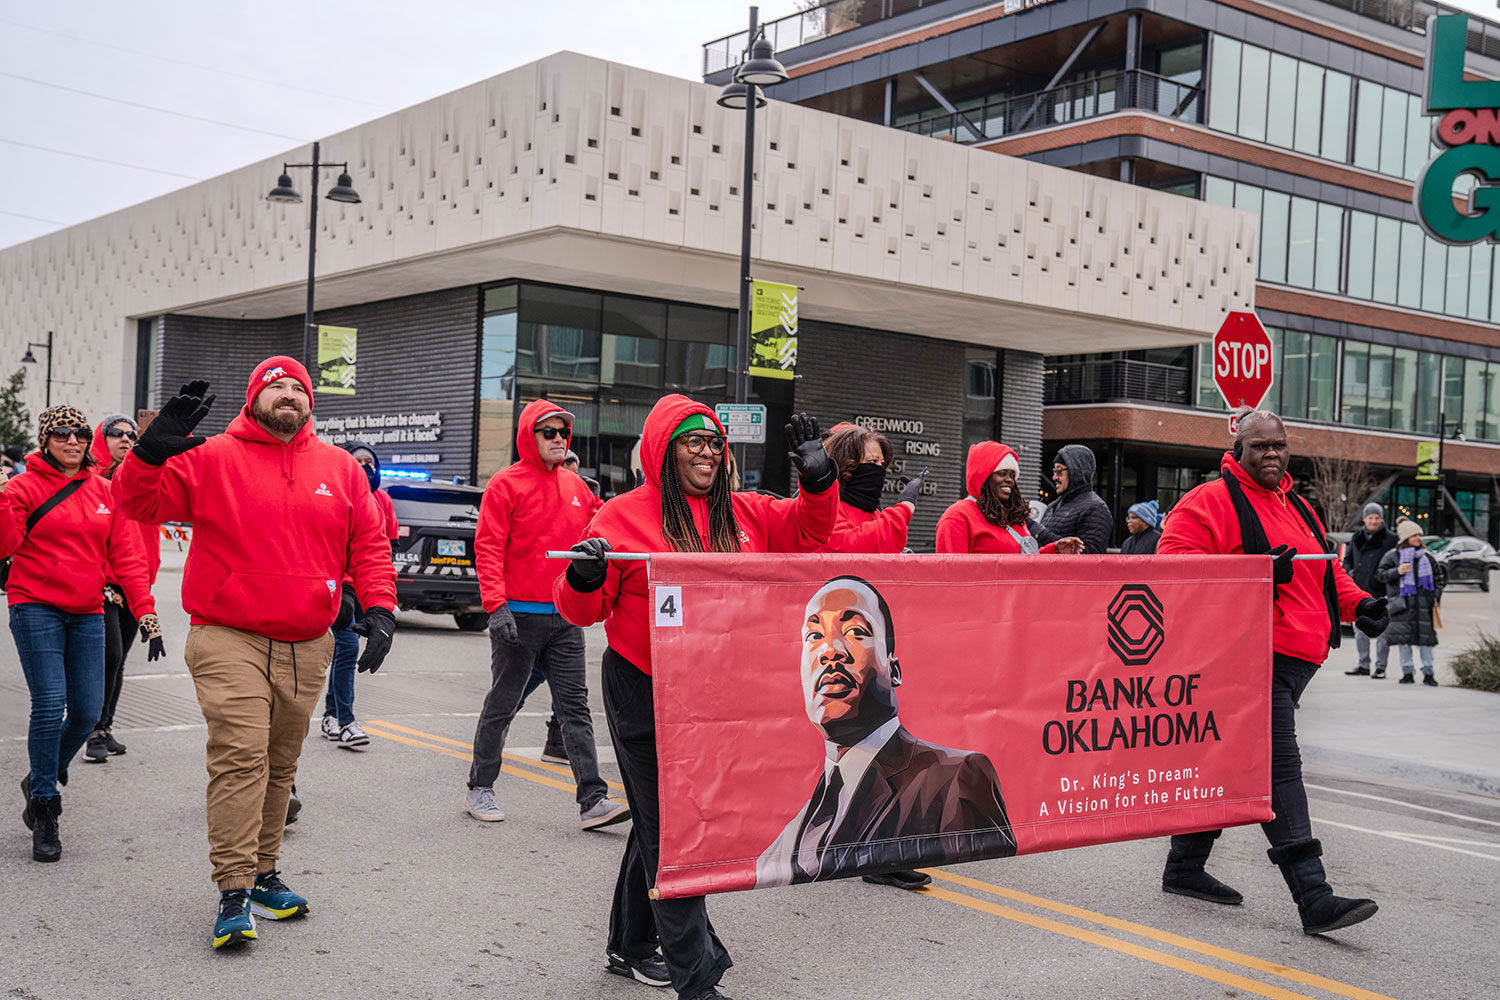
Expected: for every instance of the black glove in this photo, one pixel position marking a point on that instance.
(814, 467)
(151, 635)
(167, 434)
(1372, 616)
(378, 626)
(912, 490)
(347, 607)
(1282, 572)
(587, 575)
(503, 626)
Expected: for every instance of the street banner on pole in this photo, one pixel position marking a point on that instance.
(827, 716)
(773, 330)
(1429, 454)
(337, 354)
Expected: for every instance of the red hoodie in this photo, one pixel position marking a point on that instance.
(62, 562)
(1204, 523)
(275, 528)
(865, 531)
(631, 522)
(150, 533)
(528, 509)
(963, 528)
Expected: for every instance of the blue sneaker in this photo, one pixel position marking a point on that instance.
(235, 925)
(273, 900)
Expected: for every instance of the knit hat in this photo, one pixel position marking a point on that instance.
(1406, 529)
(110, 419)
(1147, 511)
(63, 416)
(1372, 508)
(270, 370)
(1007, 461)
(695, 422)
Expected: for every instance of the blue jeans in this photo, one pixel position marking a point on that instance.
(62, 656)
(340, 700)
(1406, 664)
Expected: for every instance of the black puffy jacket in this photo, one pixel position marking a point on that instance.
(1362, 558)
(1411, 616)
(1079, 511)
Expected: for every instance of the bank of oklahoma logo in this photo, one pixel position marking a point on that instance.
(1136, 625)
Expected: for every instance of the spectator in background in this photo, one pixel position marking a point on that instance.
(17, 455)
(1144, 522)
(570, 462)
(1078, 512)
(1362, 559)
(1414, 584)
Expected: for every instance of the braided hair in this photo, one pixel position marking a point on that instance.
(1003, 513)
(677, 525)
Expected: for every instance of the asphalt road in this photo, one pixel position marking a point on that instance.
(411, 898)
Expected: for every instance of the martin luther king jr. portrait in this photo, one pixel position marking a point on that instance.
(883, 799)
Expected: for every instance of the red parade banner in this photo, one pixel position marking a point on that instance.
(827, 716)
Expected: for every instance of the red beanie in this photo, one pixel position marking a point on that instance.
(270, 370)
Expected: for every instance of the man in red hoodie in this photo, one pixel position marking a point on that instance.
(1249, 510)
(278, 516)
(528, 508)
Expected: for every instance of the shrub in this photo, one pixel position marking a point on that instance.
(1479, 666)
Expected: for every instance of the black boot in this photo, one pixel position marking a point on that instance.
(1320, 909)
(45, 842)
(1358, 672)
(1184, 873)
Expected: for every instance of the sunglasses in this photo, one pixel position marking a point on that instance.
(61, 434)
(553, 433)
(120, 432)
(697, 442)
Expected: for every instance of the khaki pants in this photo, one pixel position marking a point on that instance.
(257, 697)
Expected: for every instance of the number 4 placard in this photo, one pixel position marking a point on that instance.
(668, 606)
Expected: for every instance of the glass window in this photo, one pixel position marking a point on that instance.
(1403, 389)
(1272, 401)
(1475, 383)
(1418, 132)
(1330, 240)
(1336, 116)
(1429, 391)
(1479, 281)
(1492, 402)
(1293, 375)
(1366, 124)
(1309, 123)
(1208, 393)
(1387, 258)
(1453, 389)
(1282, 100)
(1410, 270)
(497, 382)
(1273, 236)
(1218, 191)
(1393, 133)
(1378, 409)
(1456, 302)
(1434, 273)
(1255, 70)
(1361, 254)
(700, 342)
(1300, 243)
(1356, 381)
(634, 334)
(1224, 85)
(1322, 382)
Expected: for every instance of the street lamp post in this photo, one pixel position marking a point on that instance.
(30, 359)
(342, 191)
(759, 68)
(1439, 501)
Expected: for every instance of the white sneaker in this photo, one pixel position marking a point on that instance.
(330, 728)
(480, 803)
(351, 737)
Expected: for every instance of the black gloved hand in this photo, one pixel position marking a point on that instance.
(167, 434)
(1372, 616)
(1282, 572)
(503, 626)
(348, 605)
(912, 490)
(378, 626)
(151, 635)
(587, 575)
(814, 467)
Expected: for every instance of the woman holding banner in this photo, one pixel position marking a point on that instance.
(992, 518)
(685, 505)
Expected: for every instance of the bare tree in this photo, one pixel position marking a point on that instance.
(1341, 485)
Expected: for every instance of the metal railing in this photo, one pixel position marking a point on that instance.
(1102, 381)
(1069, 103)
(822, 21)
(1484, 36)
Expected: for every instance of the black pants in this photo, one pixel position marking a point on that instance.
(694, 954)
(119, 635)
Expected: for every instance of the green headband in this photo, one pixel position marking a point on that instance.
(696, 422)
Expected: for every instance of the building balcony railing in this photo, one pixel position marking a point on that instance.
(826, 19)
(1113, 380)
(1484, 36)
(1071, 102)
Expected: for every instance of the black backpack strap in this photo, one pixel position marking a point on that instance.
(47, 505)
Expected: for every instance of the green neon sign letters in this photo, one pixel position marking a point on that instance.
(1468, 130)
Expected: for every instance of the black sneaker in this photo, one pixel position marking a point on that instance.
(96, 751)
(27, 816)
(1407, 679)
(1378, 675)
(293, 806)
(904, 879)
(1429, 680)
(554, 751)
(115, 746)
(1357, 672)
(46, 842)
(651, 970)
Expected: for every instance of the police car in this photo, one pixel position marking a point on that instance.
(434, 553)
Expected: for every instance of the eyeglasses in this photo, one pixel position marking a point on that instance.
(553, 433)
(120, 432)
(697, 442)
(61, 434)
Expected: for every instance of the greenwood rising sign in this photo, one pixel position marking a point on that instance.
(1468, 133)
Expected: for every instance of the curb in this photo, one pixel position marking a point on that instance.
(1415, 772)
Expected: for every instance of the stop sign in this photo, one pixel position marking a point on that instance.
(1242, 361)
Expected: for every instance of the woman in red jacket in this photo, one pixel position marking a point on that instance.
(685, 505)
(862, 458)
(992, 518)
(58, 525)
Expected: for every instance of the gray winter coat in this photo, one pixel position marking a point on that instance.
(1411, 625)
(1079, 511)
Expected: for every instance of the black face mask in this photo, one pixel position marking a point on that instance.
(373, 475)
(862, 489)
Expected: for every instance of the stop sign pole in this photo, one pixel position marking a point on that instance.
(1242, 364)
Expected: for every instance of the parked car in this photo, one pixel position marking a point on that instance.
(434, 554)
(1466, 558)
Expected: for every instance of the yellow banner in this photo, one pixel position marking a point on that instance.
(336, 358)
(773, 329)
(1427, 461)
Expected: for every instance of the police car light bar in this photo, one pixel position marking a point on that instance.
(416, 474)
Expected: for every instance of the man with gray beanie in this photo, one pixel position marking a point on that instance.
(1144, 522)
(1362, 559)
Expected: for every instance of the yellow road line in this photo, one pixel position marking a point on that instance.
(538, 764)
(513, 772)
(1165, 937)
(1114, 944)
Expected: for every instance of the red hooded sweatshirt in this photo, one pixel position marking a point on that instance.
(150, 533)
(866, 531)
(528, 509)
(963, 528)
(62, 562)
(275, 525)
(1204, 523)
(631, 522)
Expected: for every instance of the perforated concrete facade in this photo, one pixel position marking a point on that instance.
(581, 171)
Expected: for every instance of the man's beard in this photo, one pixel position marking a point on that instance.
(281, 421)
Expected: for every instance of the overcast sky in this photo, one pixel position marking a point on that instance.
(298, 71)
